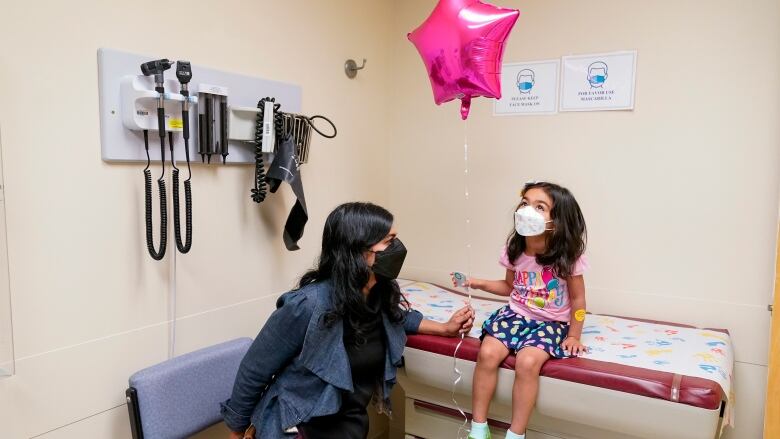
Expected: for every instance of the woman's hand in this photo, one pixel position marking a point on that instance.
(460, 323)
(248, 434)
(572, 345)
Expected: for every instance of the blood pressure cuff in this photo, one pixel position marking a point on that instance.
(285, 168)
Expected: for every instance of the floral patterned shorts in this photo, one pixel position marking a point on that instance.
(517, 332)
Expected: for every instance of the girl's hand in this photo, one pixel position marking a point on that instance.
(572, 346)
(469, 282)
(236, 435)
(455, 280)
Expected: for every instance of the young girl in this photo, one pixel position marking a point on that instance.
(544, 265)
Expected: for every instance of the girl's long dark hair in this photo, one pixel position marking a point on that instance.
(567, 242)
(350, 230)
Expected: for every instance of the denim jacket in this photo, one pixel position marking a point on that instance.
(297, 368)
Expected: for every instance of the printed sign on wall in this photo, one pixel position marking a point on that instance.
(528, 88)
(598, 82)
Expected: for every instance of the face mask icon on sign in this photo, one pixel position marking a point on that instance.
(597, 74)
(525, 80)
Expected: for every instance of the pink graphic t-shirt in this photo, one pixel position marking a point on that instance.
(537, 293)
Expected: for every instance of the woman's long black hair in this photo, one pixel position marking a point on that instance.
(567, 242)
(350, 230)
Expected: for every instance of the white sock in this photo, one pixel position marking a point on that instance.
(512, 435)
(478, 430)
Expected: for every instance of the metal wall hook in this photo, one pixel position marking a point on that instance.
(351, 68)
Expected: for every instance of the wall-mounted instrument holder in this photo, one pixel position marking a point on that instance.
(138, 104)
(243, 125)
(128, 105)
(204, 112)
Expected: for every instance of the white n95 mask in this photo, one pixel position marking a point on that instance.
(529, 222)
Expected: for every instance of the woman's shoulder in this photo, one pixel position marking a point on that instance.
(309, 297)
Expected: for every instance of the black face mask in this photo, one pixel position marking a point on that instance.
(389, 261)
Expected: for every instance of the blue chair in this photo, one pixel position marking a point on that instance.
(180, 397)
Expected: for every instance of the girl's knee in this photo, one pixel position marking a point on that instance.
(528, 365)
(492, 355)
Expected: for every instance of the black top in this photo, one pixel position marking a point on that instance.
(366, 360)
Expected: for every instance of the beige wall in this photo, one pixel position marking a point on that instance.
(6, 326)
(90, 306)
(680, 195)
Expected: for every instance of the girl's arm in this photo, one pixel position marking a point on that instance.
(576, 286)
(501, 287)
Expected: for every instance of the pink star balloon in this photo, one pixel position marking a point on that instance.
(462, 44)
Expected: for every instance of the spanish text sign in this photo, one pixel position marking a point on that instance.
(598, 82)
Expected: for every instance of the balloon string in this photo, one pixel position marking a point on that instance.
(456, 372)
(463, 430)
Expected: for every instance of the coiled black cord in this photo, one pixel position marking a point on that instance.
(155, 254)
(260, 190)
(183, 247)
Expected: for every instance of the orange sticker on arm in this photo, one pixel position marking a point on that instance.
(579, 315)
